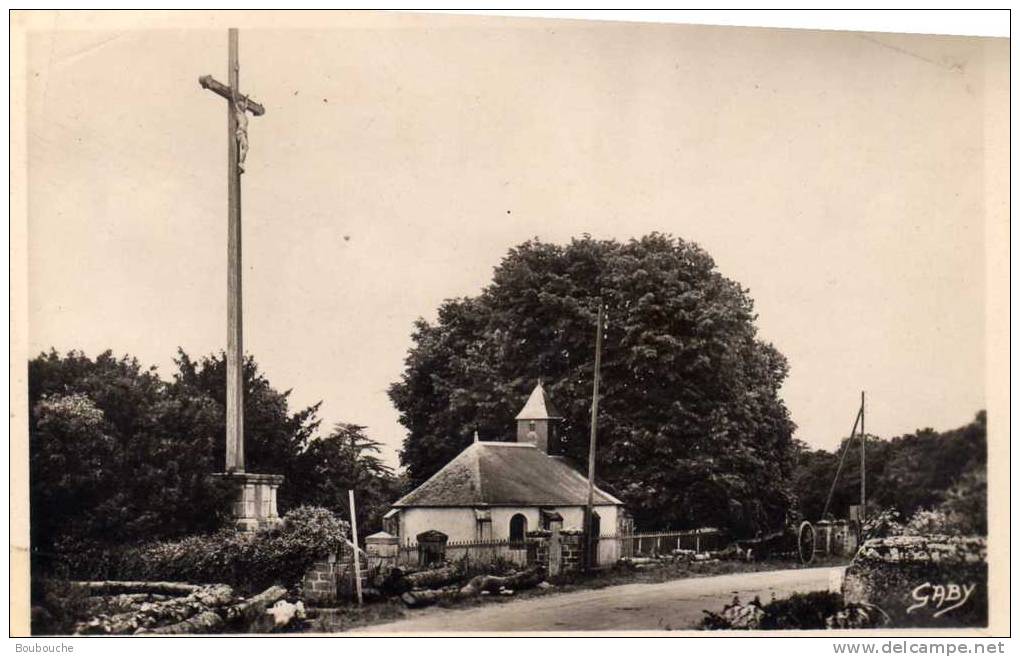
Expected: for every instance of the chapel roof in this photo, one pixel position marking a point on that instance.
(505, 474)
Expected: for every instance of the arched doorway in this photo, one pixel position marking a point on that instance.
(518, 529)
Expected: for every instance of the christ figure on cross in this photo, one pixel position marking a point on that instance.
(241, 131)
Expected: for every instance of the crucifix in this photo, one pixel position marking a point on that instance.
(256, 502)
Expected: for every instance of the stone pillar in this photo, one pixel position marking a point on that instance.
(319, 586)
(381, 549)
(823, 537)
(555, 549)
(571, 550)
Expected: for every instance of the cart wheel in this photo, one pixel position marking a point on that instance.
(806, 542)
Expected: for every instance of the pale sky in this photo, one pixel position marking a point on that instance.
(838, 176)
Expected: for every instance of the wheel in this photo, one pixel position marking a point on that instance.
(806, 542)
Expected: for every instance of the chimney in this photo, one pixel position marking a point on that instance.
(536, 423)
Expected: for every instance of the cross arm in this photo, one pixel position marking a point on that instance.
(220, 89)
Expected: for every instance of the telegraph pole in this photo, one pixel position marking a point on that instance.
(589, 514)
(864, 441)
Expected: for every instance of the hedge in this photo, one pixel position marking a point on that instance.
(248, 561)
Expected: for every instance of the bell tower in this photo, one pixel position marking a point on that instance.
(536, 423)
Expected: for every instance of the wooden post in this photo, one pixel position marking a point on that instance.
(235, 340)
(864, 441)
(354, 535)
(591, 444)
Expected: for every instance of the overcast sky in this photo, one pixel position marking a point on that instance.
(838, 176)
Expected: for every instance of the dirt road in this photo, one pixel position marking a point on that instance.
(670, 605)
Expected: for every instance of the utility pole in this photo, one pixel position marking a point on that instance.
(864, 441)
(589, 514)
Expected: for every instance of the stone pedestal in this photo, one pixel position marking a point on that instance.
(255, 503)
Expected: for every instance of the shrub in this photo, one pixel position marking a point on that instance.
(247, 561)
(886, 523)
(818, 610)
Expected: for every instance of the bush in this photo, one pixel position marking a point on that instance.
(886, 523)
(247, 561)
(801, 611)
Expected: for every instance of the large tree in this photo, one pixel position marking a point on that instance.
(691, 427)
(119, 455)
(347, 459)
(116, 454)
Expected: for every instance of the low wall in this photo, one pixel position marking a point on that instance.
(332, 579)
(923, 581)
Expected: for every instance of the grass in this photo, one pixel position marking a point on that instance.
(349, 617)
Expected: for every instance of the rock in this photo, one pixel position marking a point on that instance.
(922, 581)
(279, 616)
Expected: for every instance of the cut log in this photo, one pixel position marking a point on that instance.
(152, 614)
(206, 622)
(429, 597)
(428, 579)
(215, 596)
(253, 607)
(525, 579)
(115, 587)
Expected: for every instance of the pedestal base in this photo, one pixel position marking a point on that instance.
(255, 505)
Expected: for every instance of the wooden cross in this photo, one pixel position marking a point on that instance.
(237, 140)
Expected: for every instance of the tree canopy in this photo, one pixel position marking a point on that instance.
(119, 455)
(692, 431)
(926, 469)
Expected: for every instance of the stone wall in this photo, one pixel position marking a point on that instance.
(332, 579)
(559, 551)
(923, 581)
(571, 550)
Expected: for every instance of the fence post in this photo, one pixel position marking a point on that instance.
(697, 543)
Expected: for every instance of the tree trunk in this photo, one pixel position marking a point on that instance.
(428, 579)
(150, 615)
(426, 598)
(250, 609)
(203, 623)
(525, 579)
(115, 587)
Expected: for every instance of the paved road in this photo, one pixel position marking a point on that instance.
(669, 605)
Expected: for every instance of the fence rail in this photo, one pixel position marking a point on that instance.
(476, 552)
(608, 548)
(649, 543)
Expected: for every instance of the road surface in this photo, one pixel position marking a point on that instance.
(664, 606)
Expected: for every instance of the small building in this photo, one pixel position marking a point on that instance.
(502, 490)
